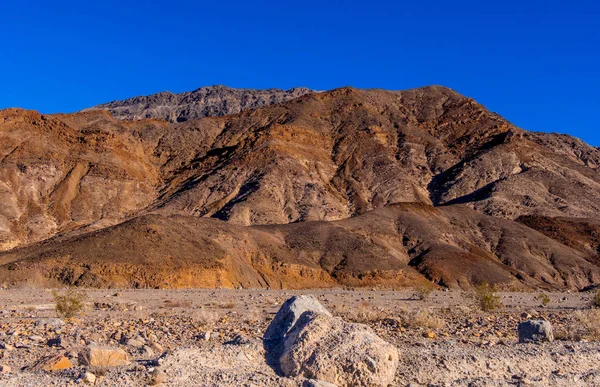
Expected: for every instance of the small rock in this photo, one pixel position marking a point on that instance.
(205, 336)
(239, 339)
(158, 377)
(50, 322)
(317, 383)
(51, 363)
(6, 347)
(88, 378)
(534, 331)
(430, 335)
(135, 343)
(4, 369)
(55, 342)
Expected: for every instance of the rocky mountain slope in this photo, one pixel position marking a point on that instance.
(354, 187)
(203, 102)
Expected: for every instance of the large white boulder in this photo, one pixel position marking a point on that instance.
(330, 349)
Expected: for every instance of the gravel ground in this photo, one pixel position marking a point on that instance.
(213, 337)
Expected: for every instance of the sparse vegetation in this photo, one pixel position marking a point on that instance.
(486, 297)
(364, 313)
(69, 303)
(423, 291)
(543, 298)
(171, 304)
(425, 319)
(585, 327)
(596, 299)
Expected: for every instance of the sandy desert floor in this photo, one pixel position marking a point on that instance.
(213, 337)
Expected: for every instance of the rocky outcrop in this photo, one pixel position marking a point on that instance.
(203, 102)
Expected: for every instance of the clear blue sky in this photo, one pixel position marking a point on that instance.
(535, 62)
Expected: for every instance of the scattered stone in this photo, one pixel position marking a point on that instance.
(97, 356)
(430, 335)
(55, 342)
(136, 343)
(240, 339)
(317, 383)
(158, 377)
(205, 336)
(533, 331)
(6, 347)
(51, 363)
(50, 322)
(88, 378)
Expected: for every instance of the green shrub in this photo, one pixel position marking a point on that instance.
(543, 297)
(69, 303)
(486, 297)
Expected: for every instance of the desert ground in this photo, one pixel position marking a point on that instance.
(214, 337)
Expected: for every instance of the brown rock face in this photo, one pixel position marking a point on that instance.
(425, 184)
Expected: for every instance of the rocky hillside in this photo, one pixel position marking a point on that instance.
(203, 102)
(355, 187)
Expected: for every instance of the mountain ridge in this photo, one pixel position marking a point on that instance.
(331, 156)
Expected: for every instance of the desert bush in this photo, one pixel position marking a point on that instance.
(227, 305)
(205, 318)
(486, 297)
(363, 313)
(69, 303)
(252, 316)
(586, 326)
(424, 318)
(172, 304)
(596, 299)
(543, 298)
(423, 291)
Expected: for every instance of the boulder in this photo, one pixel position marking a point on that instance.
(534, 331)
(290, 312)
(4, 369)
(335, 351)
(98, 356)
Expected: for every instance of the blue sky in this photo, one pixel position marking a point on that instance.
(537, 63)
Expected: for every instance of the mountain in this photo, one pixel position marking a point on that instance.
(351, 187)
(203, 102)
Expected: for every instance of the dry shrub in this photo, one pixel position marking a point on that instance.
(251, 316)
(589, 321)
(423, 291)
(486, 297)
(586, 326)
(596, 299)
(424, 318)
(364, 313)
(172, 304)
(205, 318)
(69, 303)
(227, 305)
